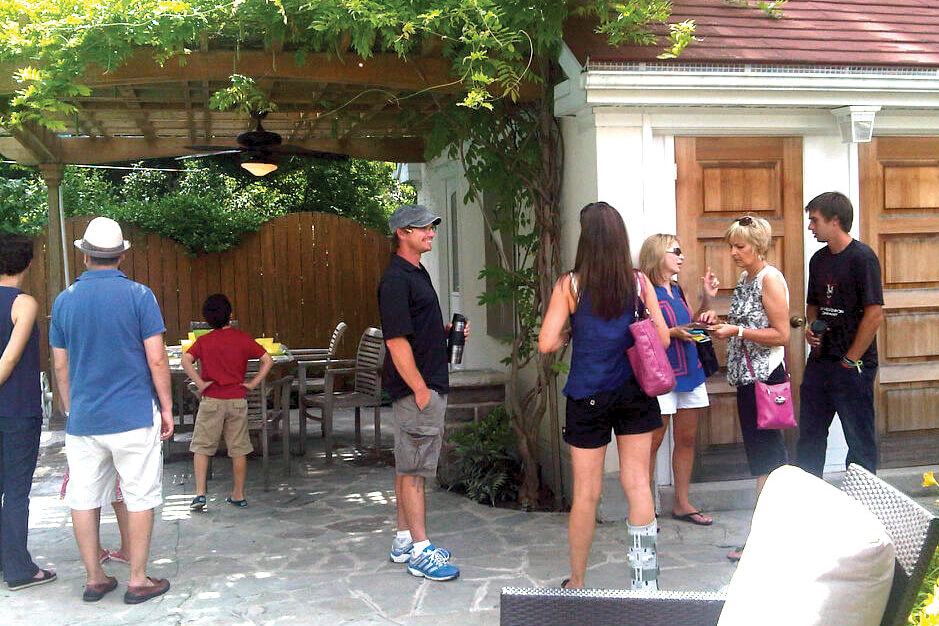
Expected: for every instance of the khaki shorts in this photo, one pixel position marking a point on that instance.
(418, 435)
(218, 418)
(95, 461)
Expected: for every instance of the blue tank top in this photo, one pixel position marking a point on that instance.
(598, 351)
(20, 395)
(683, 355)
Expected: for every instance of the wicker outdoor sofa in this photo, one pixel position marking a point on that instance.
(914, 530)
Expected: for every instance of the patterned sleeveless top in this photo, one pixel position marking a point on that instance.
(746, 310)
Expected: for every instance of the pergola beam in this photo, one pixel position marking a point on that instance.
(94, 151)
(38, 144)
(385, 70)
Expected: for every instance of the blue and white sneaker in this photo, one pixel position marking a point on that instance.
(432, 565)
(401, 551)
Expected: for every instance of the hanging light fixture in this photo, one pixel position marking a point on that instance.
(258, 163)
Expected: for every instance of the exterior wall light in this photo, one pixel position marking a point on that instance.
(855, 123)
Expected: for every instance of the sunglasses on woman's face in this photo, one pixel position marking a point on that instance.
(746, 220)
(676, 251)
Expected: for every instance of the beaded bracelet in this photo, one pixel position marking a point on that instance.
(858, 365)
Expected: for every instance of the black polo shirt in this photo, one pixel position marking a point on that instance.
(409, 308)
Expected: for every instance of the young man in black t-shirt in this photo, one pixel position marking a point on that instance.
(417, 379)
(845, 293)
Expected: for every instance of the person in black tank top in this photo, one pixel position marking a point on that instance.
(20, 412)
(594, 305)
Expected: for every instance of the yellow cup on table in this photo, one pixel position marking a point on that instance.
(272, 348)
(192, 337)
(186, 344)
(265, 341)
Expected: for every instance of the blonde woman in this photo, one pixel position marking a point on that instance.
(757, 327)
(661, 259)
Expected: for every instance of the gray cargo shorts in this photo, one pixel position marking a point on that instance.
(418, 435)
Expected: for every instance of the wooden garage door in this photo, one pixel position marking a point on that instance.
(720, 179)
(900, 221)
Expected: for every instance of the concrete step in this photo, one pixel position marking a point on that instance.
(730, 495)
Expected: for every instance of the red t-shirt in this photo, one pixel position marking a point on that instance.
(224, 355)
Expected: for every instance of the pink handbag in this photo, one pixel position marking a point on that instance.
(774, 408)
(647, 357)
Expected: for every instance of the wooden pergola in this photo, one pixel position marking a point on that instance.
(378, 108)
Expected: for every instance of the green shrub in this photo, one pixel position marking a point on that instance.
(486, 469)
(926, 609)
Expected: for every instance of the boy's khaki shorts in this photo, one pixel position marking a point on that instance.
(217, 418)
(418, 435)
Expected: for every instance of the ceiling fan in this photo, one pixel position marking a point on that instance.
(260, 148)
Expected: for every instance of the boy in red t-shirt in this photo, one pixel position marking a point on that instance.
(223, 354)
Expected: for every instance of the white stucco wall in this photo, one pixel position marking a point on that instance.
(438, 179)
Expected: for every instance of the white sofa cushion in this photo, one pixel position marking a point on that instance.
(815, 555)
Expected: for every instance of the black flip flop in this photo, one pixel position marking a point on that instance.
(47, 577)
(239, 503)
(564, 583)
(689, 517)
(736, 557)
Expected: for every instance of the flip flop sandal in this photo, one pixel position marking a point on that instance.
(197, 504)
(734, 554)
(95, 592)
(136, 595)
(47, 577)
(690, 518)
(564, 583)
(239, 503)
(116, 556)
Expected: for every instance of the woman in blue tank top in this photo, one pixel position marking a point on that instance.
(593, 306)
(20, 412)
(661, 260)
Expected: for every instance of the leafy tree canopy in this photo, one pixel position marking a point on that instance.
(491, 43)
(211, 204)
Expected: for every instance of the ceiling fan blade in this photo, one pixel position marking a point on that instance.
(208, 154)
(288, 149)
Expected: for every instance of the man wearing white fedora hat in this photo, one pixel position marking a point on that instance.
(113, 376)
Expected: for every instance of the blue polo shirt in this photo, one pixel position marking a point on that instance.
(102, 320)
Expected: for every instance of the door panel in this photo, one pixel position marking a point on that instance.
(720, 179)
(900, 221)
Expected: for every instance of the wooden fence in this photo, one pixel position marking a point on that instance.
(293, 280)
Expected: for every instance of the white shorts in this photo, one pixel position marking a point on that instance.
(95, 461)
(695, 399)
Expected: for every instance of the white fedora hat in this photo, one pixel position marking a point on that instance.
(103, 238)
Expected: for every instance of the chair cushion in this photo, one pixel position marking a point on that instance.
(815, 555)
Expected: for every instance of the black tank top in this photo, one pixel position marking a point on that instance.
(20, 395)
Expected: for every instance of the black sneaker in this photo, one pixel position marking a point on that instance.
(197, 504)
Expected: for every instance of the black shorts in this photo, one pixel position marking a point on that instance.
(626, 410)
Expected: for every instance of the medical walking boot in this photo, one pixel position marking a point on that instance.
(643, 562)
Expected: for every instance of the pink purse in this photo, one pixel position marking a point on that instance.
(774, 408)
(647, 357)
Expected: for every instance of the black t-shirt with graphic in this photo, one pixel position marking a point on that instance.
(841, 285)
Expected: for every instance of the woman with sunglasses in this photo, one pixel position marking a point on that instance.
(661, 260)
(593, 305)
(757, 330)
